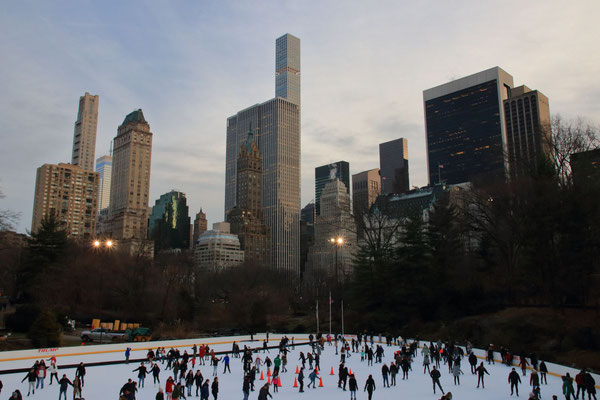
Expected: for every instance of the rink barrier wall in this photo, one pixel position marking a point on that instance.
(35, 354)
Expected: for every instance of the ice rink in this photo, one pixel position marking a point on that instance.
(104, 382)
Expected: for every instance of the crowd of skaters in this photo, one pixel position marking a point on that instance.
(184, 382)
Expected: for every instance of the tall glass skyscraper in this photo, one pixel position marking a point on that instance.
(104, 168)
(287, 68)
(327, 173)
(276, 126)
(465, 129)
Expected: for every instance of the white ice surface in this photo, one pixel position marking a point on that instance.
(103, 383)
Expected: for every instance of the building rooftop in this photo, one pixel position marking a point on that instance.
(135, 116)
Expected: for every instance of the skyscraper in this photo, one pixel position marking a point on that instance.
(169, 223)
(246, 218)
(327, 173)
(130, 179)
(393, 166)
(527, 120)
(200, 226)
(464, 127)
(104, 169)
(366, 186)
(70, 193)
(287, 68)
(276, 124)
(84, 137)
(328, 256)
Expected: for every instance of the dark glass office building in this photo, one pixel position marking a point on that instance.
(169, 223)
(393, 166)
(465, 129)
(337, 170)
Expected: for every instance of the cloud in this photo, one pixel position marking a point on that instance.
(190, 65)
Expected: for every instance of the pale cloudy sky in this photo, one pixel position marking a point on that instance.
(191, 64)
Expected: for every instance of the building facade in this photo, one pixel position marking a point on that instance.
(393, 166)
(200, 226)
(104, 170)
(465, 128)
(84, 136)
(169, 222)
(366, 186)
(327, 173)
(217, 249)
(246, 218)
(276, 125)
(130, 179)
(330, 257)
(70, 193)
(527, 121)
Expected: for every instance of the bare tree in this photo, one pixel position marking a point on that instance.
(7, 218)
(566, 138)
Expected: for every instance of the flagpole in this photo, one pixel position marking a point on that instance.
(342, 318)
(317, 316)
(330, 313)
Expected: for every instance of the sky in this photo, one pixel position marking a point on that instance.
(191, 64)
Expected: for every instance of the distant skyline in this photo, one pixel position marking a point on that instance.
(189, 65)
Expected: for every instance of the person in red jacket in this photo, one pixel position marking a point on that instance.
(169, 386)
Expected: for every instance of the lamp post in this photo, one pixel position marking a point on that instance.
(337, 242)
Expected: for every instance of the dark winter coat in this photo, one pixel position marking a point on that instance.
(590, 383)
(435, 374)
(142, 371)
(514, 378)
(64, 384)
(352, 384)
(31, 377)
(370, 385)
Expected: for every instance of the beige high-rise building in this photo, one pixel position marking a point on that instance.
(527, 121)
(366, 186)
(84, 137)
(130, 180)
(200, 226)
(70, 193)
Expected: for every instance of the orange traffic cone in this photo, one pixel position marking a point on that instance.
(331, 373)
(269, 380)
(295, 382)
(262, 378)
(297, 369)
(317, 368)
(269, 371)
(350, 371)
(320, 382)
(278, 381)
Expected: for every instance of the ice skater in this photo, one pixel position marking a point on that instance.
(514, 380)
(435, 379)
(370, 386)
